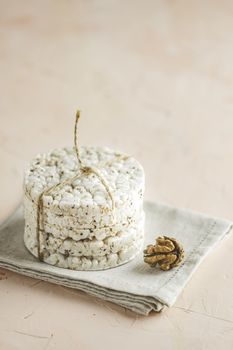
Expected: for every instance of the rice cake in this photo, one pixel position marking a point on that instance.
(82, 209)
(86, 247)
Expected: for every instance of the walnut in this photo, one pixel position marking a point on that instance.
(167, 253)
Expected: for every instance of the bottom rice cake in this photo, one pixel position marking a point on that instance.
(95, 263)
(117, 254)
(86, 247)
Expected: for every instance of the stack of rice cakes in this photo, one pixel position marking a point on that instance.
(80, 229)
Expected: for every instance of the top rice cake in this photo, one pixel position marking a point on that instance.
(86, 199)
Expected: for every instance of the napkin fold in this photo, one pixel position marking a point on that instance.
(135, 285)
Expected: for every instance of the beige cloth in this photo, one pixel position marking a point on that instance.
(134, 285)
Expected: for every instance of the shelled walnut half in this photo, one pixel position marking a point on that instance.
(166, 253)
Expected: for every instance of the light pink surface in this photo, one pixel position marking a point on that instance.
(155, 79)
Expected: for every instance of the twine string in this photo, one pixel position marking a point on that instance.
(89, 170)
(76, 138)
(84, 170)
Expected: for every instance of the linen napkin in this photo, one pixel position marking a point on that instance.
(135, 285)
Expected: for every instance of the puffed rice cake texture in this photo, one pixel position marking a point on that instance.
(81, 231)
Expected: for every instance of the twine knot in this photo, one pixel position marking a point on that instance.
(86, 170)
